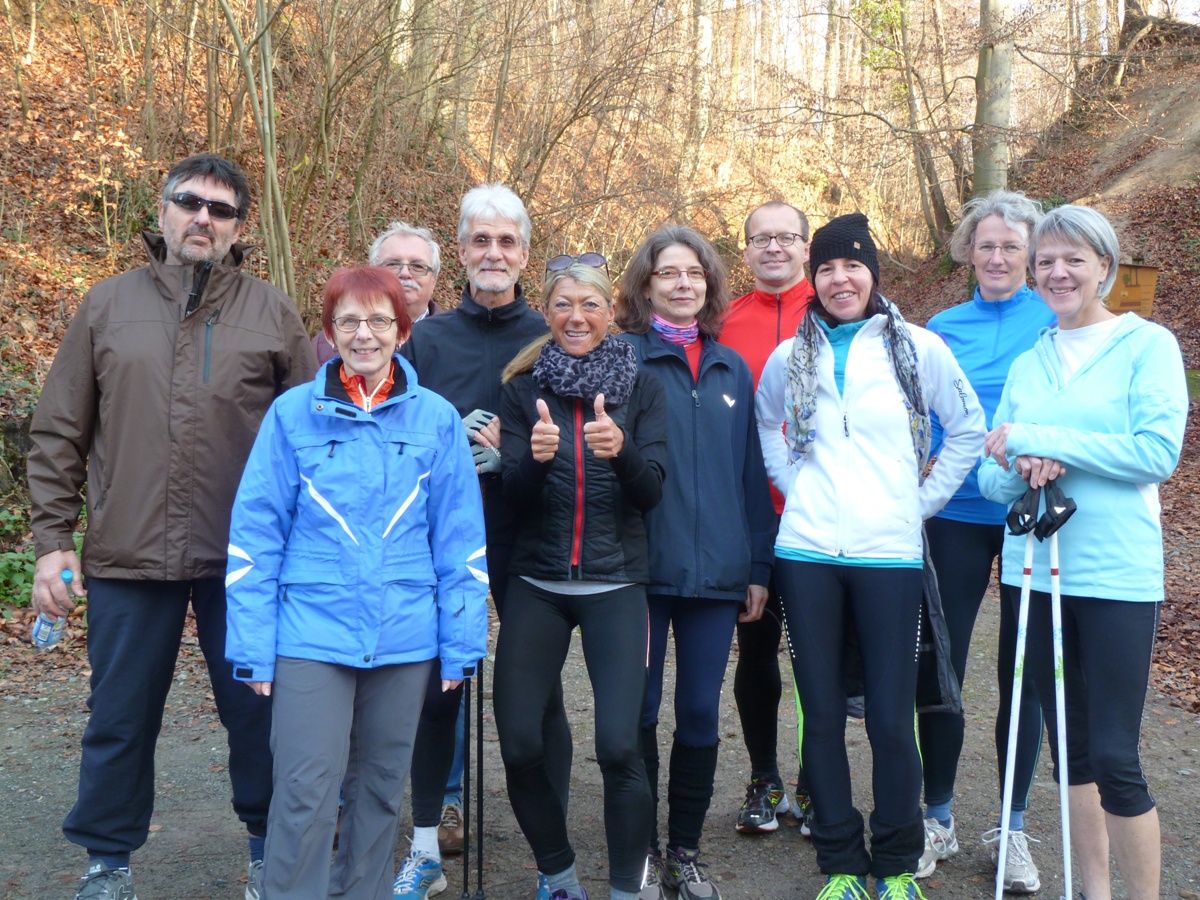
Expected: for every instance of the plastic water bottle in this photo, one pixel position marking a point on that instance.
(47, 631)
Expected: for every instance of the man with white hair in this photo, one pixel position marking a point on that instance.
(460, 355)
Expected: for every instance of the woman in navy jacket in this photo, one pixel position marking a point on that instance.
(356, 565)
(711, 536)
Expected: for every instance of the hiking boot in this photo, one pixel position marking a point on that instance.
(543, 890)
(420, 877)
(1020, 874)
(103, 883)
(940, 843)
(802, 810)
(684, 873)
(898, 887)
(765, 802)
(653, 878)
(451, 835)
(844, 887)
(254, 881)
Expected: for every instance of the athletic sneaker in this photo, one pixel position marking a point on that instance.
(420, 877)
(563, 895)
(844, 887)
(543, 891)
(940, 843)
(653, 877)
(898, 887)
(1020, 874)
(802, 810)
(254, 881)
(765, 802)
(451, 834)
(685, 873)
(103, 883)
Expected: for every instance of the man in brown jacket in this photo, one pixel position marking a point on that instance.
(154, 400)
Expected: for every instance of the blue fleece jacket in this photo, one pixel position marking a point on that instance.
(985, 337)
(1117, 425)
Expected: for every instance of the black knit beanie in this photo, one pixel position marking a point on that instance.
(846, 237)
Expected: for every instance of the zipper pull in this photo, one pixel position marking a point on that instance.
(332, 447)
(846, 424)
(696, 397)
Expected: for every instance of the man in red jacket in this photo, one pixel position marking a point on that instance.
(776, 251)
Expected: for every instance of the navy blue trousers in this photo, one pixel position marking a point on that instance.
(134, 630)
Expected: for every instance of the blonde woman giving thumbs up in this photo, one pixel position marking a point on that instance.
(585, 443)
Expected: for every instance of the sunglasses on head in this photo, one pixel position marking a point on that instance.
(193, 204)
(593, 260)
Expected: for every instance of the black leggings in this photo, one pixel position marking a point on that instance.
(963, 553)
(433, 754)
(1107, 646)
(757, 685)
(530, 652)
(821, 602)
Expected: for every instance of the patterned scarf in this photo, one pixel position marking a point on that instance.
(609, 368)
(800, 394)
(676, 334)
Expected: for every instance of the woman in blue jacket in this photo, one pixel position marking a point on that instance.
(986, 334)
(711, 536)
(1100, 404)
(356, 564)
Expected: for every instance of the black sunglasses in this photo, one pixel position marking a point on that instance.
(593, 260)
(218, 209)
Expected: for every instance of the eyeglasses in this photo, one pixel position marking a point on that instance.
(784, 239)
(1006, 249)
(505, 242)
(218, 209)
(694, 274)
(398, 265)
(592, 260)
(349, 324)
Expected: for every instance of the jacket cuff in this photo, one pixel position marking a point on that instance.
(760, 573)
(244, 672)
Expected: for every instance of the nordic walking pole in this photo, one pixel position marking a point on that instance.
(1058, 509)
(479, 895)
(468, 672)
(1022, 519)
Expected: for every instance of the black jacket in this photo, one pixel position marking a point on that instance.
(714, 532)
(602, 538)
(459, 354)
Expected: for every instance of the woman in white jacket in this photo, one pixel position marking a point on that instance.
(854, 389)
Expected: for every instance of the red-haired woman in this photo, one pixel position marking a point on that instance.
(356, 564)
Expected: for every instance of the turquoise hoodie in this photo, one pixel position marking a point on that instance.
(1117, 425)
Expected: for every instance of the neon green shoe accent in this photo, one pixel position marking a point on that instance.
(844, 887)
(899, 887)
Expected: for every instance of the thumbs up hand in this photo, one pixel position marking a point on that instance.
(544, 440)
(603, 435)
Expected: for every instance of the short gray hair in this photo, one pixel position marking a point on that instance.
(496, 201)
(1018, 212)
(1082, 227)
(403, 228)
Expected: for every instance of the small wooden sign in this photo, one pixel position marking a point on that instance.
(1134, 290)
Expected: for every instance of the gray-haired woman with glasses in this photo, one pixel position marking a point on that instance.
(711, 537)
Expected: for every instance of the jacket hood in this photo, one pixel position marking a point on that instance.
(1128, 325)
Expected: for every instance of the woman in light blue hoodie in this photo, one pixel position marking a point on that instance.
(1100, 404)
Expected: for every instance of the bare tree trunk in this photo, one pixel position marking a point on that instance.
(1113, 23)
(18, 63)
(993, 93)
(149, 103)
(933, 203)
(701, 99)
(831, 77)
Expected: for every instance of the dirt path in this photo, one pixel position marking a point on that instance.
(196, 848)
